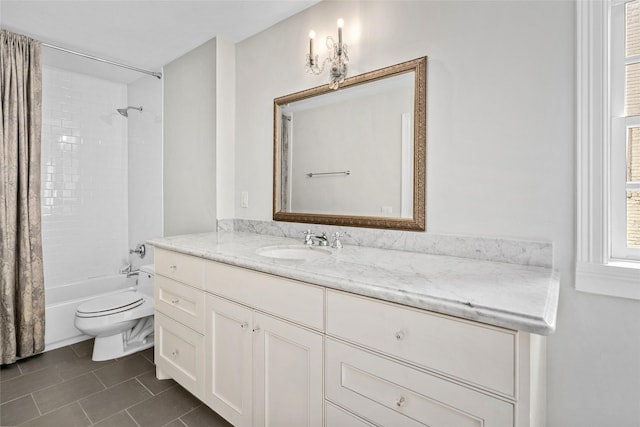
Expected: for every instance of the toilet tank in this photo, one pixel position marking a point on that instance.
(145, 279)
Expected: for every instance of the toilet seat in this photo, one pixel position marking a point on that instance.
(111, 304)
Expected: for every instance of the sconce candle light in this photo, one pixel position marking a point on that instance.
(338, 58)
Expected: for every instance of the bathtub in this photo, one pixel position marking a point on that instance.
(61, 303)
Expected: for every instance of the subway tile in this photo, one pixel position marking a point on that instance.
(18, 411)
(113, 400)
(64, 393)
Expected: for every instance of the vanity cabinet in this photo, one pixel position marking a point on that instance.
(392, 365)
(254, 340)
(262, 350)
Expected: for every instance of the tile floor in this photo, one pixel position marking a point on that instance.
(65, 388)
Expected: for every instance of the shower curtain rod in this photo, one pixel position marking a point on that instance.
(95, 58)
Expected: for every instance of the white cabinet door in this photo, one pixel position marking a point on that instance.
(179, 353)
(228, 360)
(288, 363)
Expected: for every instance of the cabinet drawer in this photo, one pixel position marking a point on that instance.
(183, 268)
(338, 417)
(389, 393)
(180, 302)
(179, 352)
(482, 355)
(291, 300)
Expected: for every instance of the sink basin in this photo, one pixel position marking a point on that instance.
(294, 252)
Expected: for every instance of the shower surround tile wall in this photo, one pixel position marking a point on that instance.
(84, 176)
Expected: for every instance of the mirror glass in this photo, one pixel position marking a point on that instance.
(355, 156)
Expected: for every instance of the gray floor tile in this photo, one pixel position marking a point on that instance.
(67, 416)
(121, 419)
(148, 354)
(80, 366)
(69, 391)
(18, 411)
(163, 408)
(9, 371)
(203, 416)
(83, 348)
(175, 423)
(112, 400)
(45, 360)
(155, 386)
(28, 383)
(124, 369)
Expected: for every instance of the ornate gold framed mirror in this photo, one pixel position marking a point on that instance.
(356, 156)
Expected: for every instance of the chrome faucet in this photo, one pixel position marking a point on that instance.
(140, 249)
(311, 239)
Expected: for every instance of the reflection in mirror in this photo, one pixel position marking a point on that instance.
(356, 156)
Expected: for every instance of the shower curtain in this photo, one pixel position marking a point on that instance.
(21, 273)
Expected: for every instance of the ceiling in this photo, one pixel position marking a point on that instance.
(142, 33)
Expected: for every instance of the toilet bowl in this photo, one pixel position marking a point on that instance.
(121, 323)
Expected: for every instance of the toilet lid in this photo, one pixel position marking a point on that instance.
(110, 304)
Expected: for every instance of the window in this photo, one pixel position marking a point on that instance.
(608, 163)
(625, 129)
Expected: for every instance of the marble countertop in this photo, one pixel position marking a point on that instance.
(508, 295)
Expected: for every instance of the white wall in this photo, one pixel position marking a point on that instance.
(189, 157)
(225, 128)
(84, 177)
(145, 165)
(500, 148)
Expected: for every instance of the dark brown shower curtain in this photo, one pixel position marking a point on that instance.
(21, 274)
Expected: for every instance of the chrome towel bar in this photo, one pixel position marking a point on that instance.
(312, 174)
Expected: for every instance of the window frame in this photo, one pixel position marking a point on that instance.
(598, 161)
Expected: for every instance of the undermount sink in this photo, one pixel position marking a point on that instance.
(294, 252)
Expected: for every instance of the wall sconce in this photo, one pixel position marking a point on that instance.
(338, 58)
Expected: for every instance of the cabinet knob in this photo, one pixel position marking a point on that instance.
(243, 325)
(256, 329)
(400, 402)
(400, 335)
(175, 353)
(175, 301)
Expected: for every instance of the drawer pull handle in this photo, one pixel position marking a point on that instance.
(175, 353)
(400, 402)
(400, 335)
(175, 301)
(243, 325)
(173, 267)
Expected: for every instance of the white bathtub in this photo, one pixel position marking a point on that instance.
(61, 303)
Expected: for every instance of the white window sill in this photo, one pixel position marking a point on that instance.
(617, 279)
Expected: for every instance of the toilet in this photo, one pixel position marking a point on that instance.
(121, 323)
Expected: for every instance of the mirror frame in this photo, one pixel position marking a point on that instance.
(417, 223)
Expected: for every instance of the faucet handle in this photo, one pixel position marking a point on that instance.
(307, 237)
(336, 240)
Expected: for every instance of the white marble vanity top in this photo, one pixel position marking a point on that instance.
(513, 296)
